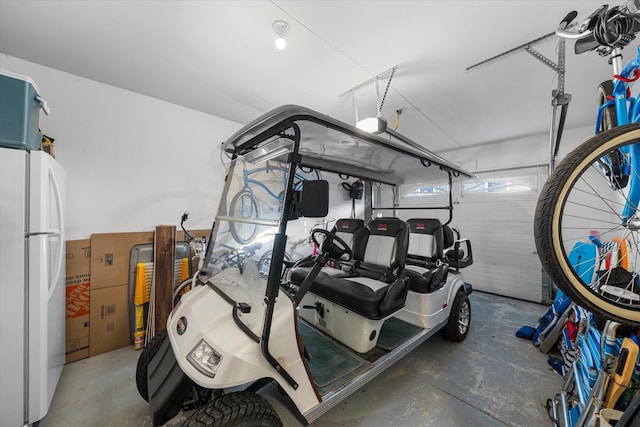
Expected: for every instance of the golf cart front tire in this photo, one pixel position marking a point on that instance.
(147, 354)
(240, 409)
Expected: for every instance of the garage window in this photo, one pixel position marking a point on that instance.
(423, 190)
(512, 184)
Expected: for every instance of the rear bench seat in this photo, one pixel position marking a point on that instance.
(425, 267)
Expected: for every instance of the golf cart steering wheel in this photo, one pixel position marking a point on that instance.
(333, 245)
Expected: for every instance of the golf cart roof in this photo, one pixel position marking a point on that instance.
(332, 145)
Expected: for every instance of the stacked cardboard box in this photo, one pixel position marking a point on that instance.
(78, 280)
(98, 292)
(109, 325)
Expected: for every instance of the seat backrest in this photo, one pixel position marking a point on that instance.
(347, 228)
(384, 244)
(449, 238)
(426, 240)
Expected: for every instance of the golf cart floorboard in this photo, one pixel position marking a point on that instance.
(332, 364)
(346, 371)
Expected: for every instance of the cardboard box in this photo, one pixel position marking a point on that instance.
(78, 279)
(109, 314)
(109, 319)
(110, 257)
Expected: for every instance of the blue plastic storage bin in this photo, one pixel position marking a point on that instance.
(20, 105)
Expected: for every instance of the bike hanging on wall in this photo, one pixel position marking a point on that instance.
(587, 228)
(245, 204)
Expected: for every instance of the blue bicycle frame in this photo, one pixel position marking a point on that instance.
(247, 180)
(627, 111)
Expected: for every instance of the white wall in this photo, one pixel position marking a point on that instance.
(132, 161)
(529, 151)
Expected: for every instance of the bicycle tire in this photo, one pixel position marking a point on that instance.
(244, 233)
(264, 264)
(609, 118)
(568, 200)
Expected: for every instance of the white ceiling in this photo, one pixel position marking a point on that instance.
(219, 57)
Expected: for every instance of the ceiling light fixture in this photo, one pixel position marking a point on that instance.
(281, 29)
(372, 125)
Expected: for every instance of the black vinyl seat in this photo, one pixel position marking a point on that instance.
(425, 267)
(346, 229)
(376, 285)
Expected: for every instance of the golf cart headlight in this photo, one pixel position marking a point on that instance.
(205, 359)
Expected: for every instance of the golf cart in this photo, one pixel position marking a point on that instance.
(318, 321)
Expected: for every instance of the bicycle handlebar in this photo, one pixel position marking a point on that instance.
(606, 27)
(567, 20)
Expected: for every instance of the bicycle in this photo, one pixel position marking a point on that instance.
(225, 256)
(586, 227)
(244, 203)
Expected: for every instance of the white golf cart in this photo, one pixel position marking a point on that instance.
(370, 290)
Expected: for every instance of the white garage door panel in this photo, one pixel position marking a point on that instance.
(512, 281)
(500, 227)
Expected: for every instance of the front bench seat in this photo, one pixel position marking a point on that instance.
(346, 229)
(425, 269)
(377, 286)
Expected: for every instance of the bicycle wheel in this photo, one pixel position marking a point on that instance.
(243, 205)
(579, 227)
(608, 118)
(264, 264)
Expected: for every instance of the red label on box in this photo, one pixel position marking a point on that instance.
(77, 300)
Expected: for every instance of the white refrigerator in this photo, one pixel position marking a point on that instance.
(32, 284)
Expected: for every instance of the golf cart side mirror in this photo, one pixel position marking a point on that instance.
(314, 200)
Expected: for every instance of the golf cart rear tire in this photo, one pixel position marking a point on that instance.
(460, 312)
(241, 409)
(146, 355)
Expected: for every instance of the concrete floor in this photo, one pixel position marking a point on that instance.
(490, 379)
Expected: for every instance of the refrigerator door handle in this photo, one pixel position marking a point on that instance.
(60, 231)
(58, 266)
(58, 195)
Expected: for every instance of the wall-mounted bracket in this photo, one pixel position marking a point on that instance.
(558, 97)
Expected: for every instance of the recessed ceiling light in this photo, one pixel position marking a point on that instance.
(281, 29)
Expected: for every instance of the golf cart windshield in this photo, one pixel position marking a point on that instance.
(250, 212)
(270, 160)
